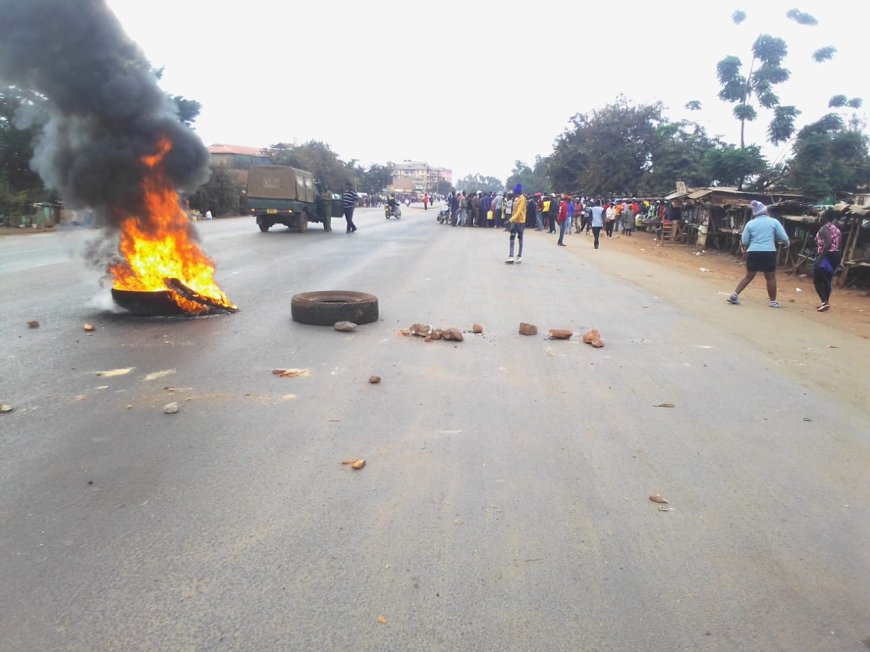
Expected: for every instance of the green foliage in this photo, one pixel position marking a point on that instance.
(478, 182)
(375, 179)
(188, 110)
(770, 50)
(693, 105)
(220, 194)
(738, 16)
(727, 165)
(319, 159)
(824, 54)
(781, 127)
(745, 113)
(626, 150)
(801, 18)
(829, 159)
(838, 101)
(20, 186)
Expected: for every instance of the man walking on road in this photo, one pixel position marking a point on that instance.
(348, 201)
(760, 237)
(517, 223)
(596, 220)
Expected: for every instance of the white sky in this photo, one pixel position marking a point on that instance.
(475, 86)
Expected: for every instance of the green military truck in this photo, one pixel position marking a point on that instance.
(278, 194)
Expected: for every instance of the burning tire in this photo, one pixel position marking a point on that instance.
(328, 307)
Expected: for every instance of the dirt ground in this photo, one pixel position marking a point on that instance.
(850, 308)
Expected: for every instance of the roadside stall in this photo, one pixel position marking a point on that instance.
(856, 250)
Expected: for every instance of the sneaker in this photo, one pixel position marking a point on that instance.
(774, 304)
(734, 299)
(509, 261)
(519, 260)
(823, 308)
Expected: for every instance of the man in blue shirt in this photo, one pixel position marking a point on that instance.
(760, 237)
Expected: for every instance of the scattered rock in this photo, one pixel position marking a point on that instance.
(291, 373)
(382, 620)
(664, 405)
(452, 335)
(528, 329)
(476, 329)
(128, 407)
(560, 334)
(374, 380)
(594, 338)
(355, 464)
(5, 408)
(659, 499)
(428, 338)
(89, 328)
(33, 324)
(662, 508)
(345, 326)
(421, 330)
(437, 334)
(170, 408)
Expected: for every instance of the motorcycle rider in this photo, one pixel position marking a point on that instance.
(392, 203)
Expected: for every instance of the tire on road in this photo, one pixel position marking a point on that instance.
(327, 307)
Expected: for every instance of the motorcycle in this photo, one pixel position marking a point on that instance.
(392, 211)
(444, 216)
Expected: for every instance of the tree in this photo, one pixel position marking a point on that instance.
(478, 182)
(319, 159)
(678, 154)
(765, 72)
(727, 165)
(608, 152)
(829, 159)
(220, 194)
(20, 186)
(375, 179)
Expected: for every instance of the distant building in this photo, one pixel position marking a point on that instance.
(238, 158)
(418, 177)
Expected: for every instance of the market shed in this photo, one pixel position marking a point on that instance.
(713, 218)
(856, 250)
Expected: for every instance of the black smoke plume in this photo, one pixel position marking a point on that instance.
(105, 109)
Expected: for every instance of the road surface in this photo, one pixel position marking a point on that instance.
(505, 502)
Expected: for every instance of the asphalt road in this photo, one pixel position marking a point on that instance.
(505, 500)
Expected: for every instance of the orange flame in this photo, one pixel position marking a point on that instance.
(158, 246)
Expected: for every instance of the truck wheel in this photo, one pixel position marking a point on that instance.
(325, 308)
(263, 223)
(327, 223)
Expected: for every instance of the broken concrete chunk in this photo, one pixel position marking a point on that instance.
(592, 337)
(374, 380)
(345, 326)
(33, 324)
(528, 329)
(4, 408)
(437, 334)
(659, 499)
(560, 334)
(89, 328)
(170, 408)
(477, 329)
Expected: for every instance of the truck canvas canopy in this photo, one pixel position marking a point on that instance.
(280, 182)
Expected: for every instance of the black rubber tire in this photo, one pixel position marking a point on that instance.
(327, 307)
(263, 223)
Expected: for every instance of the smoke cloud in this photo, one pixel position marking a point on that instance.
(105, 109)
